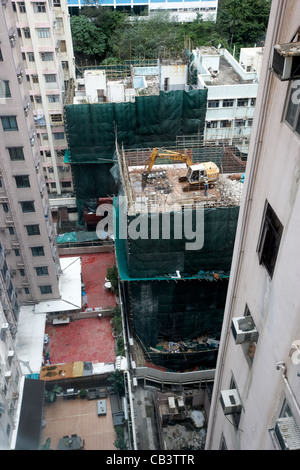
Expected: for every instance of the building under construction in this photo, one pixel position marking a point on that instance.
(174, 291)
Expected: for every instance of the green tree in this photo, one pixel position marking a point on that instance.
(87, 38)
(159, 35)
(243, 22)
(116, 379)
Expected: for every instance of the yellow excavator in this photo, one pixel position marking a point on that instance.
(197, 174)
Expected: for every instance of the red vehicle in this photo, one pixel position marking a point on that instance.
(90, 211)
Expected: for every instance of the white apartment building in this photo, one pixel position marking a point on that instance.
(181, 9)
(231, 92)
(44, 34)
(27, 232)
(10, 382)
(256, 397)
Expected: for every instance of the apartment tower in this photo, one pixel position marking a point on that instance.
(44, 34)
(31, 266)
(256, 398)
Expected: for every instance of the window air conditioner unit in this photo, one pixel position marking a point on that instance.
(230, 401)
(286, 61)
(4, 327)
(244, 330)
(287, 433)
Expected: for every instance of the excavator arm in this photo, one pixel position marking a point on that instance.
(165, 154)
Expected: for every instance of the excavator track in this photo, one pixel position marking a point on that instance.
(193, 187)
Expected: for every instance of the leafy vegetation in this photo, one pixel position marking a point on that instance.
(106, 36)
(50, 395)
(116, 379)
(120, 442)
(112, 276)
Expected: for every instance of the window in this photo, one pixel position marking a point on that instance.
(65, 64)
(5, 207)
(43, 32)
(33, 229)
(211, 124)
(227, 103)
(22, 272)
(269, 239)
(50, 77)
(39, 7)
(250, 122)
(249, 346)
(63, 46)
(292, 115)
(11, 230)
(239, 122)
(1, 56)
(26, 290)
(56, 3)
(242, 102)
(22, 8)
(236, 417)
(252, 101)
(17, 252)
(22, 181)
(35, 79)
(56, 117)
(46, 289)
(42, 271)
(37, 251)
(58, 135)
(9, 123)
(213, 103)
(30, 56)
(59, 23)
(225, 123)
(38, 99)
(27, 206)
(53, 99)
(26, 32)
(4, 89)
(47, 56)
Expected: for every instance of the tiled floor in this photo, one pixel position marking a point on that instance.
(66, 417)
(87, 339)
(94, 268)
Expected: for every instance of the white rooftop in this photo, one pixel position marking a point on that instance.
(30, 340)
(32, 319)
(69, 288)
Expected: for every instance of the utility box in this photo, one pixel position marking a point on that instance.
(101, 407)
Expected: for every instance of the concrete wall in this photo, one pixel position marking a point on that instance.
(273, 175)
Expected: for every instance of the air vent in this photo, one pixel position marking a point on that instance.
(286, 61)
(244, 330)
(230, 402)
(287, 433)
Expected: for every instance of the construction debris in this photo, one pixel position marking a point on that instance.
(164, 192)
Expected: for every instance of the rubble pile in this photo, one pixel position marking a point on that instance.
(163, 181)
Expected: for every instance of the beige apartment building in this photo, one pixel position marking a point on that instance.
(31, 267)
(256, 397)
(44, 34)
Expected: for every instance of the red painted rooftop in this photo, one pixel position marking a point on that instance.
(89, 339)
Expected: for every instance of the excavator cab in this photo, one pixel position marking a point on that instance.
(196, 174)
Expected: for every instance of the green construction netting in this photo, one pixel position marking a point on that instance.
(93, 129)
(177, 310)
(160, 258)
